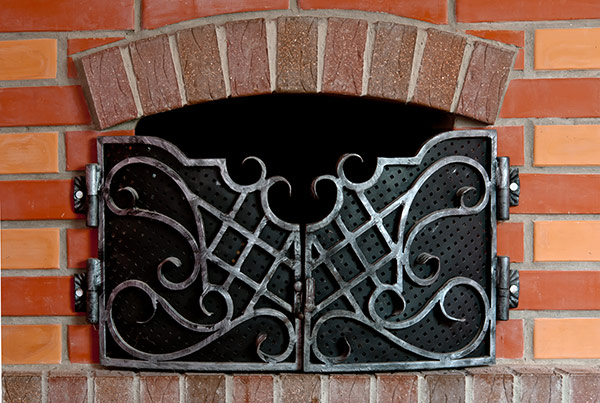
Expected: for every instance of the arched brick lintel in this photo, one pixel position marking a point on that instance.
(429, 67)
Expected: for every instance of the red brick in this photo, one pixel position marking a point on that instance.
(434, 11)
(564, 338)
(297, 54)
(398, 388)
(82, 244)
(110, 96)
(43, 106)
(76, 45)
(566, 240)
(28, 59)
(66, 15)
(344, 49)
(445, 387)
(37, 200)
(519, 10)
(516, 38)
(156, 13)
(253, 389)
(511, 144)
(248, 59)
(81, 148)
(492, 385)
(349, 388)
(552, 97)
(155, 74)
(205, 388)
(67, 388)
(440, 66)
(31, 344)
(300, 388)
(37, 296)
(560, 290)
(159, 389)
(558, 194)
(509, 339)
(22, 387)
(111, 387)
(511, 240)
(83, 344)
(539, 384)
(22, 153)
(30, 248)
(584, 384)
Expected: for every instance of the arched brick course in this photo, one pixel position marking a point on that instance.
(429, 67)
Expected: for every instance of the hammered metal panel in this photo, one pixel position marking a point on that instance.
(401, 274)
(198, 273)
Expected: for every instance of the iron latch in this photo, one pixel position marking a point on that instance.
(87, 289)
(85, 194)
(508, 288)
(508, 188)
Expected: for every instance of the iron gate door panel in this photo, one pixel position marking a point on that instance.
(198, 273)
(401, 274)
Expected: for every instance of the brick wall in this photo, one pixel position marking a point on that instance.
(549, 124)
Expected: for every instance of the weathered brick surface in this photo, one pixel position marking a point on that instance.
(493, 385)
(159, 388)
(155, 74)
(68, 387)
(440, 66)
(21, 387)
(297, 54)
(201, 64)
(253, 388)
(392, 59)
(584, 383)
(204, 388)
(110, 97)
(445, 387)
(485, 82)
(538, 384)
(300, 388)
(113, 387)
(344, 55)
(248, 58)
(397, 388)
(349, 388)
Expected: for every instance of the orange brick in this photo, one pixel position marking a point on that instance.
(66, 15)
(82, 244)
(557, 290)
(83, 344)
(31, 344)
(156, 13)
(510, 240)
(77, 45)
(37, 200)
(516, 38)
(28, 153)
(37, 248)
(43, 106)
(566, 338)
(519, 10)
(28, 59)
(563, 241)
(509, 339)
(81, 146)
(560, 49)
(558, 194)
(560, 145)
(553, 97)
(434, 11)
(511, 144)
(37, 296)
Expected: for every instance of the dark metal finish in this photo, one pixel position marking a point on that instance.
(514, 289)
(94, 281)
(503, 192)
(403, 268)
(504, 287)
(79, 195)
(79, 292)
(92, 183)
(515, 186)
(198, 272)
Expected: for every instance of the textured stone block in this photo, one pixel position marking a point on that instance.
(113, 387)
(539, 384)
(253, 389)
(296, 54)
(485, 82)
(493, 384)
(201, 64)
(110, 97)
(440, 66)
(398, 388)
(155, 74)
(584, 383)
(392, 60)
(159, 389)
(67, 388)
(300, 388)
(445, 387)
(349, 388)
(21, 387)
(205, 388)
(248, 57)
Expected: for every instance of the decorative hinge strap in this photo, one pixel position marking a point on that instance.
(87, 290)
(508, 288)
(508, 188)
(85, 194)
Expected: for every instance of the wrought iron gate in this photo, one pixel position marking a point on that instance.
(196, 272)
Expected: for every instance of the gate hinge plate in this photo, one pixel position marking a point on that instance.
(508, 188)
(87, 290)
(85, 194)
(508, 288)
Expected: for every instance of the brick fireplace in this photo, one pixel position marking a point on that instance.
(70, 73)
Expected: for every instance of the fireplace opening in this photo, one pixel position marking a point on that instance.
(299, 137)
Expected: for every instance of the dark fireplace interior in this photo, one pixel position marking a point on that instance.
(299, 137)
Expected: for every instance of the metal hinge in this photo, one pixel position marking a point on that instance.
(508, 188)
(508, 288)
(87, 290)
(85, 194)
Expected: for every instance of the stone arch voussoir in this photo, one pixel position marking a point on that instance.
(431, 67)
